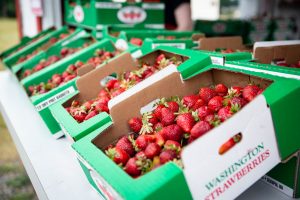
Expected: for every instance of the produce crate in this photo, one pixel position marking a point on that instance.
(150, 39)
(267, 138)
(41, 45)
(43, 102)
(25, 41)
(75, 42)
(223, 49)
(89, 87)
(95, 14)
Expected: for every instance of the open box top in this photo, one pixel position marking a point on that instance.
(263, 112)
(89, 85)
(266, 54)
(213, 43)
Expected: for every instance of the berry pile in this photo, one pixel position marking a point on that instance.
(159, 136)
(52, 59)
(70, 73)
(282, 62)
(139, 41)
(43, 47)
(84, 111)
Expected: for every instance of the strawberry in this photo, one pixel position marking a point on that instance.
(224, 113)
(190, 100)
(136, 41)
(110, 84)
(237, 90)
(100, 107)
(200, 129)
(198, 104)
(260, 91)
(91, 114)
(215, 103)
(152, 150)
(103, 93)
(158, 126)
(57, 79)
(143, 140)
(80, 117)
(203, 111)
(166, 156)
(117, 92)
(126, 144)
(118, 155)
(167, 116)
(70, 77)
(173, 106)
(159, 139)
(207, 93)
(160, 58)
(135, 124)
(132, 168)
(153, 120)
(157, 111)
(173, 145)
(250, 92)
(221, 89)
(87, 105)
(172, 132)
(241, 102)
(186, 121)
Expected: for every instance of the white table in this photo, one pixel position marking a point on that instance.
(51, 164)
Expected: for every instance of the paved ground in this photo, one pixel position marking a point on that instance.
(14, 182)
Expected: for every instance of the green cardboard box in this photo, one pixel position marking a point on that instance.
(43, 102)
(94, 14)
(40, 45)
(89, 87)
(76, 40)
(25, 41)
(268, 138)
(153, 38)
(212, 46)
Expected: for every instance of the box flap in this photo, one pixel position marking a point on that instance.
(211, 44)
(291, 53)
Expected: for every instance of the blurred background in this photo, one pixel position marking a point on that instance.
(254, 20)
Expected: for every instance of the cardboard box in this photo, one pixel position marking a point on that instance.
(25, 41)
(75, 40)
(154, 38)
(210, 46)
(89, 87)
(268, 138)
(41, 45)
(43, 102)
(94, 14)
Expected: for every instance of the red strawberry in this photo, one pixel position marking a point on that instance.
(103, 93)
(209, 118)
(186, 121)
(166, 156)
(118, 155)
(152, 150)
(158, 126)
(215, 103)
(100, 107)
(260, 91)
(203, 111)
(237, 90)
(159, 139)
(221, 89)
(207, 93)
(250, 92)
(38, 67)
(143, 140)
(224, 113)
(87, 105)
(153, 120)
(110, 84)
(135, 124)
(136, 41)
(173, 106)
(190, 101)
(64, 51)
(117, 92)
(79, 117)
(200, 129)
(172, 145)
(91, 114)
(70, 77)
(125, 144)
(157, 111)
(160, 58)
(167, 116)
(132, 168)
(198, 104)
(172, 132)
(57, 79)
(238, 101)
